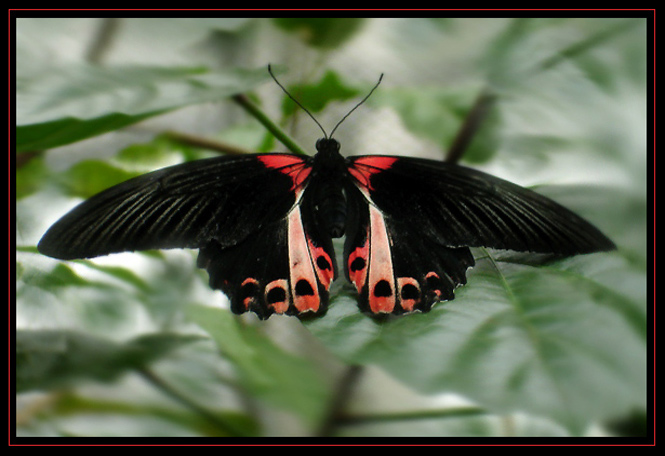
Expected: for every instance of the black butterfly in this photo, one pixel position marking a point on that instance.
(264, 225)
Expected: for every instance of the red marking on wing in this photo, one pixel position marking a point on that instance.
(408, 304)
(249, 283)
(380, 275)
(323, 264)
(363, 168)
(357, 265)
(304, 288)
(434, 281)
(294, 167)
(280, 306)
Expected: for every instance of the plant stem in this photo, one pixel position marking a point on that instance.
(259, 115)
(453, 412)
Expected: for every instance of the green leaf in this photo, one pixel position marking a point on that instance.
(160, 151)
(509, 60)
(68, 104)
(89, 177)
(322, 32)
(124, 274)
(51, 359)
(67, 130)
(61, 276)
(315, 97)
(30, 177)
(265, 370)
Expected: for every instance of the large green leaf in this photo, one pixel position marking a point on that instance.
(74, 102)
(546, 341)
(564, 340)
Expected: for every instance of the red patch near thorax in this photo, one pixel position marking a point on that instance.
(364, 168)
(294, 167)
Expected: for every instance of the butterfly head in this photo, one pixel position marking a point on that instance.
(327, 146)
(328, 157)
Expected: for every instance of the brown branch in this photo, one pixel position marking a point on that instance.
(103, 40)
(471, 125)
(204, 143)
(340, 400)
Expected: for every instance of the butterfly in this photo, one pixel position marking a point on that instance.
(264, 226)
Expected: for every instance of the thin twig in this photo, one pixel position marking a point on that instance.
(453, 412)
(205, 143)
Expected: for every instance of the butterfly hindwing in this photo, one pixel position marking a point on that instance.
(282, 269)
(394, 268)
(287, 266)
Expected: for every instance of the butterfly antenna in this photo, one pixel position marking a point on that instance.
(356, 106)
(297, 102)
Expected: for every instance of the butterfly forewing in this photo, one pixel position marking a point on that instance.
(175, 207)
(458, 207)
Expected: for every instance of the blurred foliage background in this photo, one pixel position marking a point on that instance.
(138, 345)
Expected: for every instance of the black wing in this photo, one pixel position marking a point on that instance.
(243, 213)
(414, 219)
